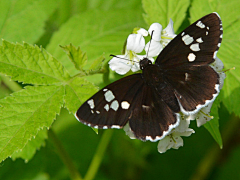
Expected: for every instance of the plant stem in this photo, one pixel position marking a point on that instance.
(97, 159)
(12, 85)
(64, 156)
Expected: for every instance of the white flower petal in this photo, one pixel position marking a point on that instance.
(204, 115)
(155, 48)
(222, 76)
(186, 133)
(118, 65)
(183, 126)
(136, 66)
(165, 144)
(157, 28)
(217, 65)
(135, 43)
(142, 31)
(128, 131)
(169, 31)
(169, 142)
(178, 142)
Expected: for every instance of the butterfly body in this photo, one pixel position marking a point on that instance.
(180, 80)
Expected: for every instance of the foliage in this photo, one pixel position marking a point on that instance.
(42, 87)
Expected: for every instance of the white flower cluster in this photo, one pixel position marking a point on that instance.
(121, 64)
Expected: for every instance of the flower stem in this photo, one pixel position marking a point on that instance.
(64, 156)
(97, 159)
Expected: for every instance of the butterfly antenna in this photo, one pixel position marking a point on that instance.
(121, 58)
(150, 43)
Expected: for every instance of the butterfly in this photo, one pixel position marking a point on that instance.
(181, 80)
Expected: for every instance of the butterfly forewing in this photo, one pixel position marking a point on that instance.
(197, 44)
(111, 106)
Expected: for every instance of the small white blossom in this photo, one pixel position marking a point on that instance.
(121, 64)
(160, 38)
(142, 31)
(173, 139)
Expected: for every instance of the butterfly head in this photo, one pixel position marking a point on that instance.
(144, 63)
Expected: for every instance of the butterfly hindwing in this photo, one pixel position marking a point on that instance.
(151, 118)
(194, 86)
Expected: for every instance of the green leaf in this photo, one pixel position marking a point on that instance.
(229, 51)
(24, 20)
(76, 55)
(25, 113)
(213, 125)
(97, 65)
(30, 149)
(162, 10)
(107, 34)
(30, 64)
(77, 92)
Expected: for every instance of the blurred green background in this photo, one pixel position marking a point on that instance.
(101, 27)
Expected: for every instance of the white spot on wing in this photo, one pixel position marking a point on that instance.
(191, 57)
(199, 40)
(200, 24)
(91, 103)
(114, 105)
(105, 90)
(187, 39)
(98, 112)
(109, 96)
(182, 33)
(125, 105)
(92, 111)
(106, 107)
(195, 47)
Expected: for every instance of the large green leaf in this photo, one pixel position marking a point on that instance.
(24, 113)
(213, 125)
(162, 10)
(30, 64)
(24, 20)
(106, 35)
(30, 149)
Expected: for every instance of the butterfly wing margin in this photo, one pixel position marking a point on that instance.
(111, 106)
